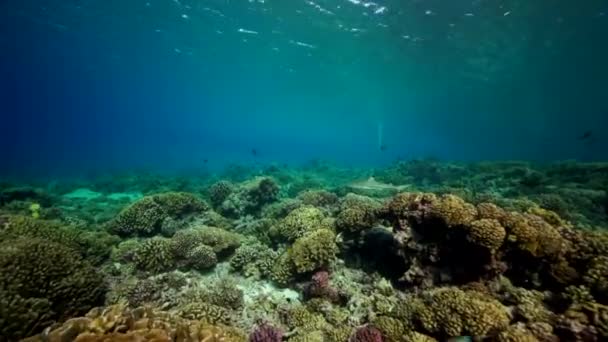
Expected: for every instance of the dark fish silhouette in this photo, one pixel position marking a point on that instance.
(383, 147)
(586, 135)
(254, 152)
(205, 161)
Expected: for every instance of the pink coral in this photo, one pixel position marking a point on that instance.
(266, 333)
(367, 333)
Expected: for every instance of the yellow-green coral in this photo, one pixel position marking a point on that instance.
(488, 233)
(453, 312)
(299, 317)
(532, 234)
(145, 216)
(254, 260)
(490, 211)
(301, 221)
(43, 281)
(516, 333)
(453, 210)
(220, 240)
(201, 258)
(392, 328)
(596, 276)
(313, 251)
(355, 219)
(283, 270)
(201, 311)
(154, 255)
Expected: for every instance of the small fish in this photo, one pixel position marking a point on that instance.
(383, 147)
(586, 135)
(254, 152)
(205, 161)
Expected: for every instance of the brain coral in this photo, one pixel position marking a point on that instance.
(43, 281)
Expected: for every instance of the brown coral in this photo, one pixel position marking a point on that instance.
(488, 233)
(454, 211)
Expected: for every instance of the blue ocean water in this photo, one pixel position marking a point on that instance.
(167, 84)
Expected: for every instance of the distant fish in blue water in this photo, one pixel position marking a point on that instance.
(254, 152)
(383, 147)
(587, 135)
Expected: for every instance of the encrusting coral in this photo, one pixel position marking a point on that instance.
(118, 323)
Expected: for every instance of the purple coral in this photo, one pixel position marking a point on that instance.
(319, 287)
(266, 333)
(367, 333)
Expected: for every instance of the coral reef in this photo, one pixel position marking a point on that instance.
(506, 251)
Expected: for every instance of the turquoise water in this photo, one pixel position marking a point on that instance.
(90, 85)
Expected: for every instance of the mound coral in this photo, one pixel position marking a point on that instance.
(301, 221)
(488, 233)
(453, 210)
(95, 246)
(146, 216)
(453, 312)
(318, 198)
(154, 255)
(220, 240)
(314, 250)
(219, 192)
(356, 219)
(254, 260)
(43, 281)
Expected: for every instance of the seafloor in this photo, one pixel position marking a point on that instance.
(424, 251)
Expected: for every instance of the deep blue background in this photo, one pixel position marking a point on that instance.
(112, 85)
